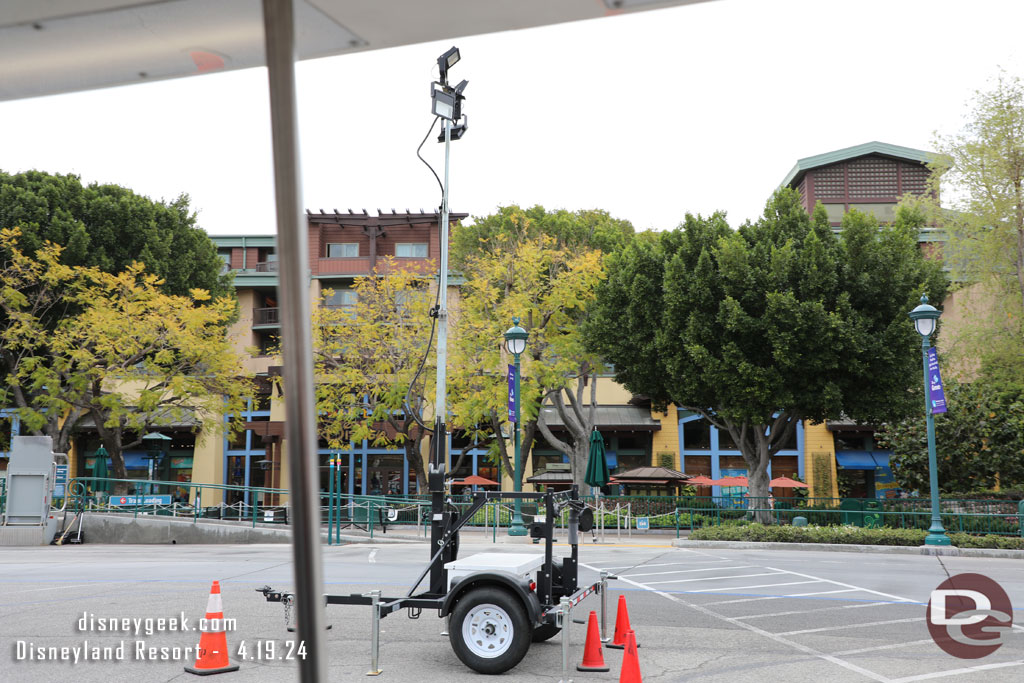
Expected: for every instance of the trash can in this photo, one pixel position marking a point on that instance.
(799, 521)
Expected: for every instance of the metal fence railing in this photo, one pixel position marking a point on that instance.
(615, 514)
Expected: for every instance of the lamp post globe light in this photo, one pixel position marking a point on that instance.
(926, 318)
(515, 342)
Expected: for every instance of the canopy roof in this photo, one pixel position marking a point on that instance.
(61, 46)
(611, 418)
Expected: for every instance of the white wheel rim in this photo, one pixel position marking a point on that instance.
(487, 631)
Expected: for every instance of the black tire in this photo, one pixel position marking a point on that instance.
(545, 632)
(489, 630)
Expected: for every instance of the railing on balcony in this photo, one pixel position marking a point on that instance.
(266, 316)
(266, 267)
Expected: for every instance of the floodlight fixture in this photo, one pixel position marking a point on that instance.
(444, 102)
(460, 87)
(447, 61)
(456, 131)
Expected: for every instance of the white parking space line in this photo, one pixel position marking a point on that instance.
(713, 578)
(809, 611)
(843, 627)
(686, 571)
(958, 672)
(891, 646)
(754, 629)
(743, 588)
(779, 597)
(664, 564)
(847, 585)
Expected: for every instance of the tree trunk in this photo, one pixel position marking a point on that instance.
(758, 443)
(414, 456)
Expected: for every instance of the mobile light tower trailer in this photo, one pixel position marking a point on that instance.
(496, 604)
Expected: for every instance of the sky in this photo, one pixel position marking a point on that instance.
(649, 116)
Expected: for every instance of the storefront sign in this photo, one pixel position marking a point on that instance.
(936, 395)
(511, 393)
(140, 500)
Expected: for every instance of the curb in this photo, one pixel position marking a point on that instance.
(852, 548)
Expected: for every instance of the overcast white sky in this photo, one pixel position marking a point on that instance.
(649, 116)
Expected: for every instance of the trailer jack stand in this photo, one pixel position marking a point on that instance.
(375, 669)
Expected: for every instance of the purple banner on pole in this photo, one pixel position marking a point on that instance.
(511, 393)
(936, 395)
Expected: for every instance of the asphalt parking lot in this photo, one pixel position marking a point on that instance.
(722, 615)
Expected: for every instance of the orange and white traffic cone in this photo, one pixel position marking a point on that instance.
(621, 625)
(630, 661)
(212, 657)
(593, 658)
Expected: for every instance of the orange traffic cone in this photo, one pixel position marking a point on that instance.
(593, 659)
(621, 625)
(212, 657)
(630, 661)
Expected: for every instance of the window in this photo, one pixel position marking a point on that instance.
(225, 257)
(411, 250)
(340, 298)
(696, 435)
(343, 250)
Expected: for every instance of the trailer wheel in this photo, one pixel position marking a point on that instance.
(545, 632)
(489, 631)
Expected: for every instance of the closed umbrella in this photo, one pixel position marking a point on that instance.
(597, 467)
(99, 470)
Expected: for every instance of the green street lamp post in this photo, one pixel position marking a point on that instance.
(515, 342)
(925, 318)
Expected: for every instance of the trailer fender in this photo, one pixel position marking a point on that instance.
(516, 585)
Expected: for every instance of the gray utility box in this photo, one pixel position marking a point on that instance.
(31, 475)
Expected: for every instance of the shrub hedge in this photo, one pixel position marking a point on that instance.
(846, 534)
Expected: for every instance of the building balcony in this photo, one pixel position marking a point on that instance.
(266, 267)
(266, 316)
(361, 266)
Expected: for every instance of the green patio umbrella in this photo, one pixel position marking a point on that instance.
(99, 470)
(597, 468)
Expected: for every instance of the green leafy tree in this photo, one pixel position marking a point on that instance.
(123, 351)
(979, 441)
(981, 173)
(759, 328)
(374, 366)
(516, 268)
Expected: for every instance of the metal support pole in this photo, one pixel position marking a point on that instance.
(330, 498)
(604, 607)
(375, 669)
(936, 534)
(297, 341)
(565, 616)
(516, 528)
(442, 303)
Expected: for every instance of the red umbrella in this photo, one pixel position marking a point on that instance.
(730, 481)
(700, 480)
(786, 483)
(474, 480)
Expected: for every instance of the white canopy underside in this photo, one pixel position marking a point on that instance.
(57, 46)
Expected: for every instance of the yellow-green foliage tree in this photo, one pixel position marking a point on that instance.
(125, 353)
(522, 272)
(981, 173)
(374, 365)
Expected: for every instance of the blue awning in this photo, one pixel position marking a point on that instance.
(855, 460)
(862, 460)
(612, 459)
